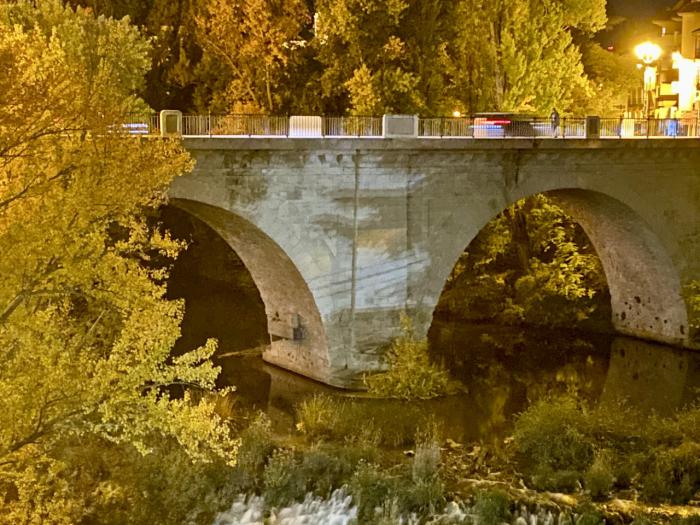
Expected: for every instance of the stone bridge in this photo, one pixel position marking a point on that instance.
(341, 235)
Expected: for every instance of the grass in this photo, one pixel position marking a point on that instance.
(373, 421)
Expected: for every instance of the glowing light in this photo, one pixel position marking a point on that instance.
(456, 113)
(649, 77)
(687, 77)
(647, 52)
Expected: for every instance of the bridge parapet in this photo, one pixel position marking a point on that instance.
(392, 126)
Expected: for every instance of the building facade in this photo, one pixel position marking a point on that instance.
(675, 93)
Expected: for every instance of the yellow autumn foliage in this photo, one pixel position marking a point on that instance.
(85, 331)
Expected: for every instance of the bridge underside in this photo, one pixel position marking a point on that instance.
(645, 290)
(297, 336)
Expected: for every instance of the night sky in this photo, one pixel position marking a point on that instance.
(637, 8)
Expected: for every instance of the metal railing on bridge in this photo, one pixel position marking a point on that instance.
(429, 128)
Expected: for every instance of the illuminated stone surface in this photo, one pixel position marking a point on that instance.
(340, 235)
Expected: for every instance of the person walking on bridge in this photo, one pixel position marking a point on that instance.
(554, 118)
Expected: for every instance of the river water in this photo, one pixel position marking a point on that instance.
(503, 370)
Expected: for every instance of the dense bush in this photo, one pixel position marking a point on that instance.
(256, 447)
(492, 507)
(599, 478)
(281, 479)
(556, 439)
(550, 434)
(325, 468)
(411, 375)
(371, 487)
(672, 474)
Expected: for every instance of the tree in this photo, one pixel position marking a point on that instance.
(519, 55)
(172, 78)
(436, 56)
(255, 41)
(611, 78)
(382, 56)
(531, 264)
(85, 332)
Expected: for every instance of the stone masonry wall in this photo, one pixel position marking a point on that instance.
(374, 226)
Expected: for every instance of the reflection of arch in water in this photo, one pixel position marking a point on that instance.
(297, 336)
(644, 284)
(651, 377)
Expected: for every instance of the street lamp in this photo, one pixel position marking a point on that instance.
(648, 53)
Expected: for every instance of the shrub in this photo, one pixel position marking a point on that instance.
(371, 487)
(491, 507)
(322, 470)
(590, 516)
(425, 496)
(318, 416)
(411, 375)
(673, 474)
(688, 422)
(599, 477)
(389, 513)
(624, 471)
(551, 433)
(544, 478)
(426, 461)
(256, 446)
(282, 483)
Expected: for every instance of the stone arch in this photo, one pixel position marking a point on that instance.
(297, 336)
(645, 287)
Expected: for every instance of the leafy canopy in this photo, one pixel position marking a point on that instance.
(85, 333)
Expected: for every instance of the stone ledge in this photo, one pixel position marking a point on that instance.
(429, 144)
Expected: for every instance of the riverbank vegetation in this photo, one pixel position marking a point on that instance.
(561, 444)
(410, 374)
(563, 458)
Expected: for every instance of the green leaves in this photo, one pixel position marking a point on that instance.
(530, 264)
(255, 41)
(411, 375)
(432, 57)
(85, 332)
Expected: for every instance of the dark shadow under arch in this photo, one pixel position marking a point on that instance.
(296, 332)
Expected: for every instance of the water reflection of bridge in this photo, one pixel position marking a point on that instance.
(646, 376)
